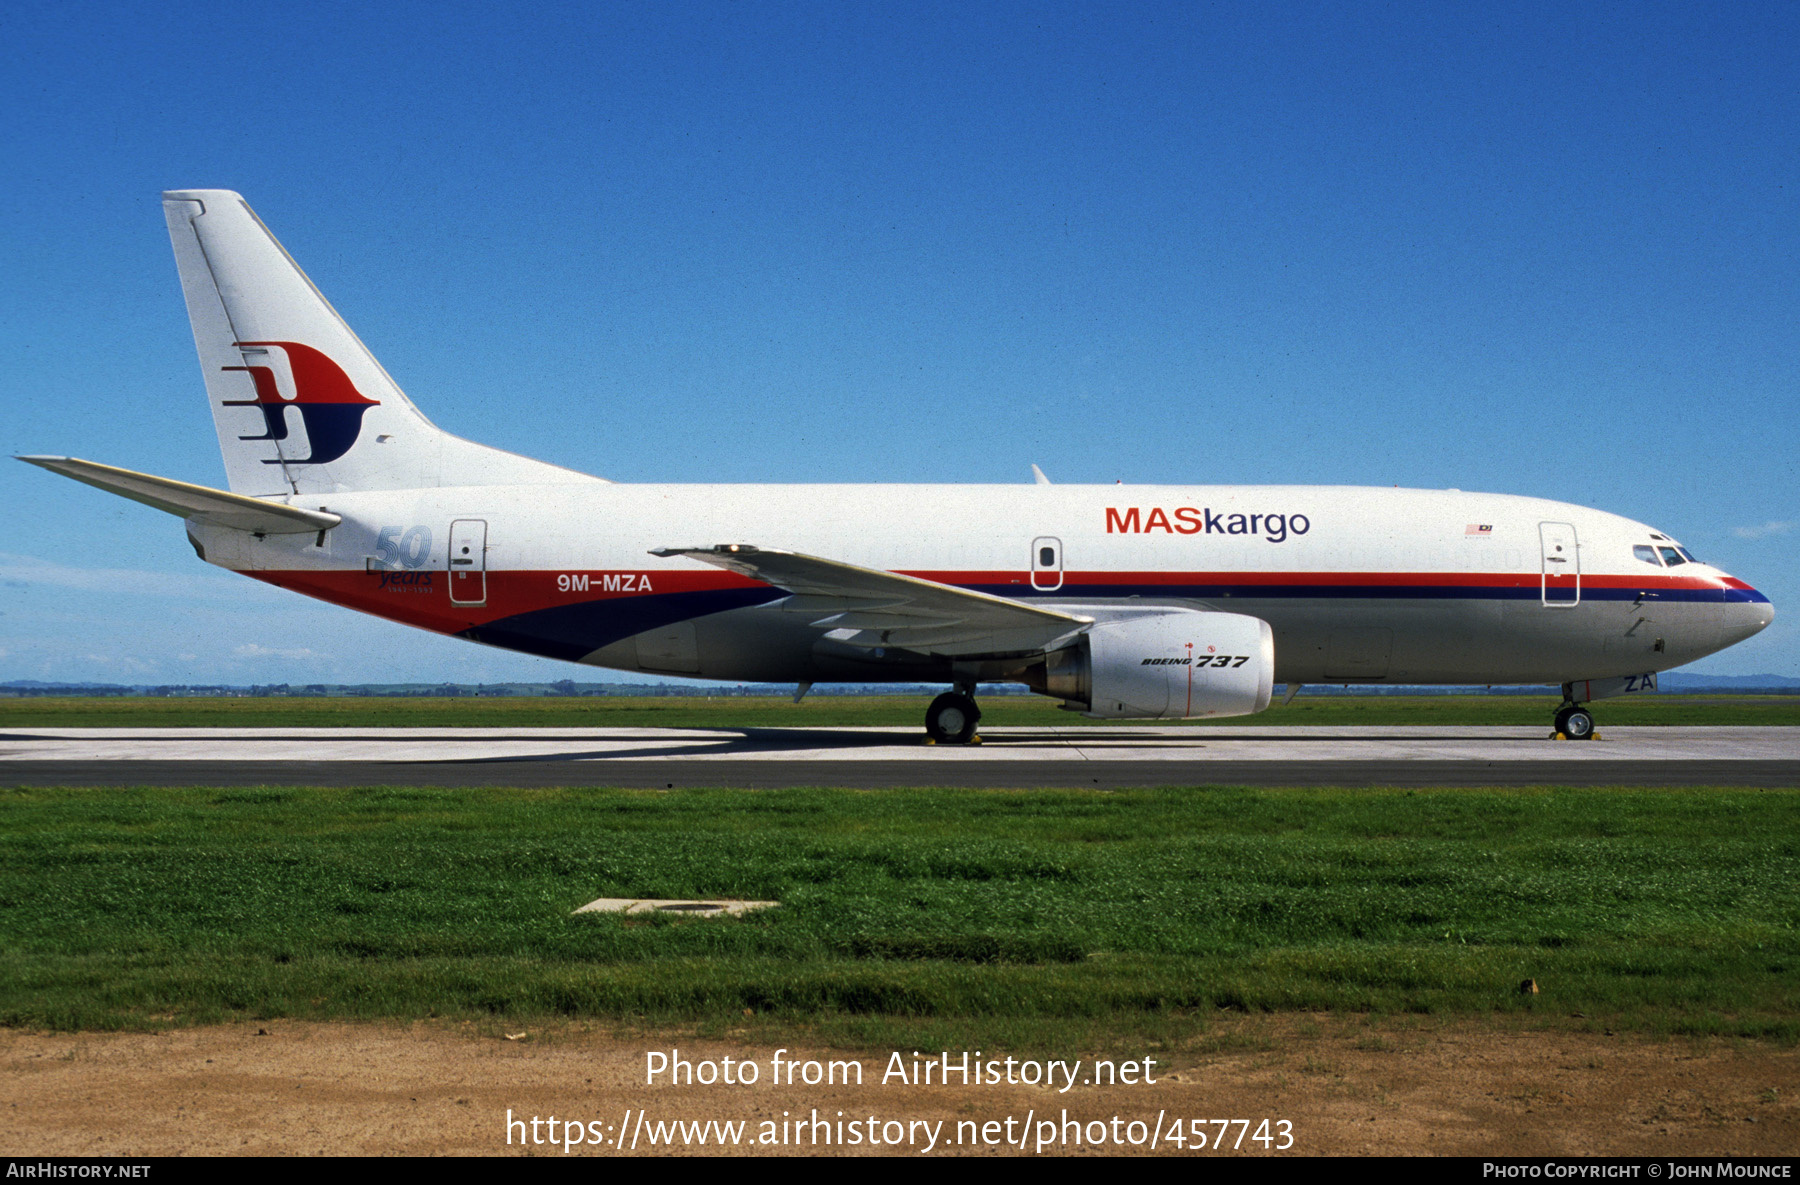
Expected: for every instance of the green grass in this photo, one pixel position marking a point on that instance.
(829, 711)
(1014, 915)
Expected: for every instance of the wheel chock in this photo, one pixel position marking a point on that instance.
(1557, 736)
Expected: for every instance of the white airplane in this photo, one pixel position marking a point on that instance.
(1142, 602)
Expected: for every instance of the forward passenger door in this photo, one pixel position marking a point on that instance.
(1561, 565)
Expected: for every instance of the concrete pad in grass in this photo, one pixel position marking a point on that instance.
(684, 906)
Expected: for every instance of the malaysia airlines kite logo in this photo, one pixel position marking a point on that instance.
(329, 404)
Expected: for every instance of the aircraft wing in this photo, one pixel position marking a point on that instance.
(186, 500)
(869, 608)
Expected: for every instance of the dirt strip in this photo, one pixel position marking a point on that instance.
(1345, 1085)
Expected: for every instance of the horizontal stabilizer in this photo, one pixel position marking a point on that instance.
(191, 501)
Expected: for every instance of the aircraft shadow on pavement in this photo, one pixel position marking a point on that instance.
(730, 742)
(723, 744)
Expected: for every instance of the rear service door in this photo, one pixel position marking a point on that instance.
(1562, 565)
(468, 562)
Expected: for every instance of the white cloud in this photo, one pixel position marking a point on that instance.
(1768, 528)
(29, 570)
(119, 665)
(254, 650)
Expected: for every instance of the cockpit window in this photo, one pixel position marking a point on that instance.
(1687, 555)
(1645, 552)
(1672, 556)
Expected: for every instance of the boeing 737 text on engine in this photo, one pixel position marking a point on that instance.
(1123, 602)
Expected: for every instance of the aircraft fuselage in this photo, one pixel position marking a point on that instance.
(1358, 584)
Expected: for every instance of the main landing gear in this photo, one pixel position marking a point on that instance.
(1574, 722)
(951, 718)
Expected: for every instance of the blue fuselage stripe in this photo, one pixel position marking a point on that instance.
(1365, 592)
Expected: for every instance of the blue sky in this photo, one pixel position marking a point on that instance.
(1546, 250)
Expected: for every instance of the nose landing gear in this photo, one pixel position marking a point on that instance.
(1574, 722)
(951, 719)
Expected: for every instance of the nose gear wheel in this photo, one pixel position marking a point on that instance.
(1575, 722)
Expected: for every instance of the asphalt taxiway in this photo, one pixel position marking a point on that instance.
(1107, 757)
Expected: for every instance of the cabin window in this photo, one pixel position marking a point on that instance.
(1645, 552)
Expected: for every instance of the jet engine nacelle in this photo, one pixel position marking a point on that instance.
(1166, 665)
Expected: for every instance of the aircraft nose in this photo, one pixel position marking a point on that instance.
(1747, 614)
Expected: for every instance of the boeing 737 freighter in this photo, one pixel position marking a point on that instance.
(1124, 602)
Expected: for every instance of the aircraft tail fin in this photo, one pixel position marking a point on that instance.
(300, 405)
